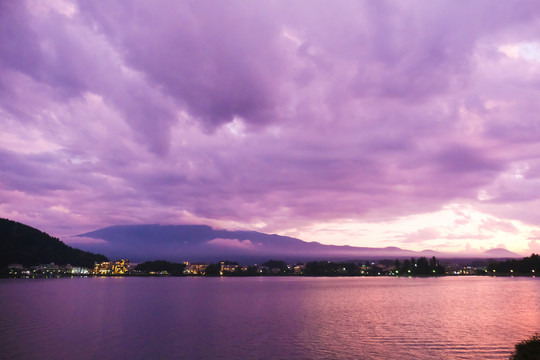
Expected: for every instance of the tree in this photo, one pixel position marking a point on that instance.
(422, 266)
(406, 267)
(513, 266)
(528, 349)
(28, 246)
(213, 269)
(251, 271)
(160, 266)
(277, 264)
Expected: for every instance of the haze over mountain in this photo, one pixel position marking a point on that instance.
(203, 243)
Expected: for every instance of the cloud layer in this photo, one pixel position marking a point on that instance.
(278, 116)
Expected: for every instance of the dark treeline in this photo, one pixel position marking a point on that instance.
(408, 267)
(422, 266)
(25, 245)
(327, 268)
(525, 266)
(161, 266)
(270, 267)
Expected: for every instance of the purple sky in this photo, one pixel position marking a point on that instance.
(372, 123)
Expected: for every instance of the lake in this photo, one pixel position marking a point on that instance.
(267, 317)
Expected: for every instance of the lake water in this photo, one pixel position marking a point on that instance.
(267, 318)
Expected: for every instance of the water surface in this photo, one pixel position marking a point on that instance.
(267, 317)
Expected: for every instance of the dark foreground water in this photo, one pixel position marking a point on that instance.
(266, 318)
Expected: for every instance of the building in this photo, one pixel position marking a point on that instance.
(299, 269)
(227, 268)
(195, 268)
(104, 268)
(77, 270)
(17, 270)
(48, 269)
(119, 267)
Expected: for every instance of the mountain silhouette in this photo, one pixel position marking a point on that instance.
(203, 243)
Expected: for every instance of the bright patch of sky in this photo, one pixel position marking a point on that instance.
(525, 50)
(452, 229)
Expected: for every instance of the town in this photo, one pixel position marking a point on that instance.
(422, 266)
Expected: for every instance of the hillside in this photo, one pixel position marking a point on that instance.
(25, 245)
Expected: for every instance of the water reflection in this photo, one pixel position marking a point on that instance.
(306, 318)
(425, 317)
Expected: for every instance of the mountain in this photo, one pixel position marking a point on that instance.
(22, 244)
(203, 243)
(500, 253)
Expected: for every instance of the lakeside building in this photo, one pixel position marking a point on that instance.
(463, 270)
(18, 270)
(51, 268)
(47, 270)
(227, 268)
(103, 268)
(195, 268)
(119, 267)
(78, 270)
(299, 269)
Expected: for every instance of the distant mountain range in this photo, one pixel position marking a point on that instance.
(203, 243)
(22, 244)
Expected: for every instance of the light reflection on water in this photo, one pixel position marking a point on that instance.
(267, 318)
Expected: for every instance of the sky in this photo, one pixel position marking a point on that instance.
(366, 123)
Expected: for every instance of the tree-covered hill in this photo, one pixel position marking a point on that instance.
(25, 245)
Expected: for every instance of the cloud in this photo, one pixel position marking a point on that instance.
(232, 243)
(281, 114)
(476, 236)
(494, 225)
(422, 235)
(534, 246)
